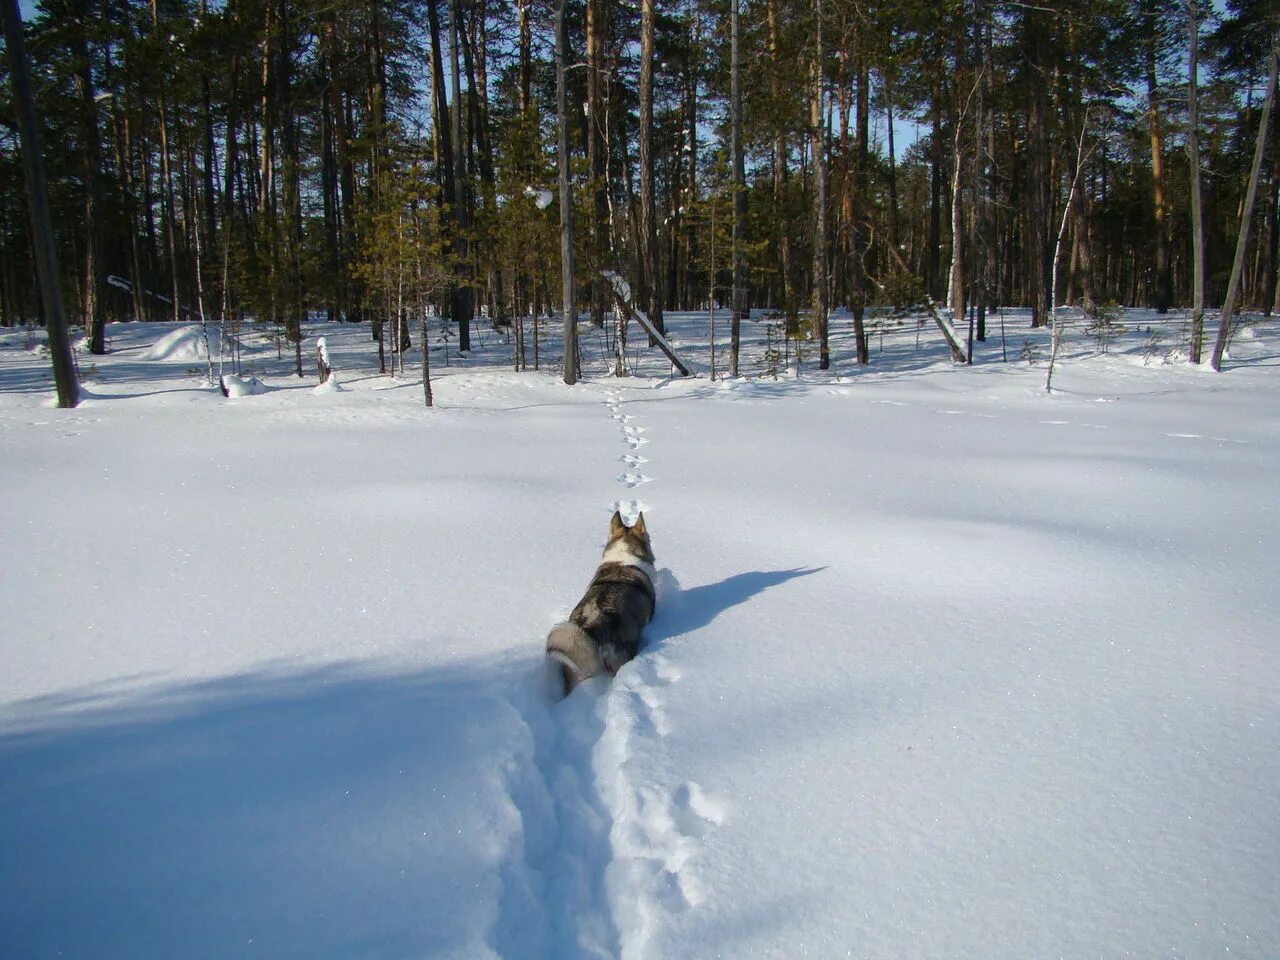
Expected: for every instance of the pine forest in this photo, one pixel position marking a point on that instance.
(379, 161)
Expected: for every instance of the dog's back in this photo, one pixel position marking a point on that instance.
(604, 630)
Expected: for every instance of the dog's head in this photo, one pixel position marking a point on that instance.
(633, 539)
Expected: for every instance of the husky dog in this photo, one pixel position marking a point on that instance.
(603, 632)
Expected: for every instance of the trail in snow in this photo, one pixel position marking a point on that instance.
(655, 830)
(606, 846)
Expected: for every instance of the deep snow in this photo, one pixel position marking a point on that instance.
(942, 667)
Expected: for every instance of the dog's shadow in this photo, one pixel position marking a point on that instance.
(680, 611)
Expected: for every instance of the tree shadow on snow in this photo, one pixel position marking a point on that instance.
(277, 813)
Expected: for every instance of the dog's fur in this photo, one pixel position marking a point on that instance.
(603, 632)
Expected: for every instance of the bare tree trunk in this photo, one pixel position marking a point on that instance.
(167, 175)
(1197, 202)
(861, 234)
(984, 152)
(955, 282)
(1246, 215)
(933, 252)
(1163, 278)
(463, 302)
(894, 234)
(739, 306)
(1057, 254)
(426, 363)
(526, 55)
(817, 140)
(1082, 255)
(781, 225)
(443, 139)
(648, 211)
(599, 235)
(566, 201)
(46, 251)
(94, 213)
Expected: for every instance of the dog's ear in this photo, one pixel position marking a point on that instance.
(616, 526)
(639, 526)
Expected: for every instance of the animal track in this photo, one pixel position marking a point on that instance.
(656, 831)
(694, 811)
(633, 435)
(630, 509)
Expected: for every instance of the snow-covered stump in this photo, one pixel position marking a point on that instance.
(323, 368)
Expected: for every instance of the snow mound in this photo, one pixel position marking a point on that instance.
(236, 386)
(329, 386)
(185, 344)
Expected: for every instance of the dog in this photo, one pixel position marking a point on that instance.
(603, 631)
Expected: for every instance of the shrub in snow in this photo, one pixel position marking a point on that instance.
(1153, 347)
(1106, 326)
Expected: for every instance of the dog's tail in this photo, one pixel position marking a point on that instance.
(576, 652)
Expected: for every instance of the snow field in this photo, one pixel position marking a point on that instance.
(941, 666)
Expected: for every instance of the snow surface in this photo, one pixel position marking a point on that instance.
(942, 666)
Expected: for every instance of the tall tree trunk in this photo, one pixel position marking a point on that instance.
(566, 200)
(861, 232)
(983, 150)
(444, 143)
(739, 304)
(330, 177)
(1271, 303)
(267, 219)
(166, 174)
(691, 184)
(122, 143)
(209, 158)
(1083, 255)
(526, 56)
(933, 253)
(463, 299)
(475, 61)
(894, 231)
(955, 282)
(817, 146)
(1246, 215)
(95, 319)
(1160, 205)
(46, 252)
(596, 149)
(780, 220)
(648, 210)
(1197, 201)
(292, 189)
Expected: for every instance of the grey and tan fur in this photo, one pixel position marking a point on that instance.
(603, 631)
